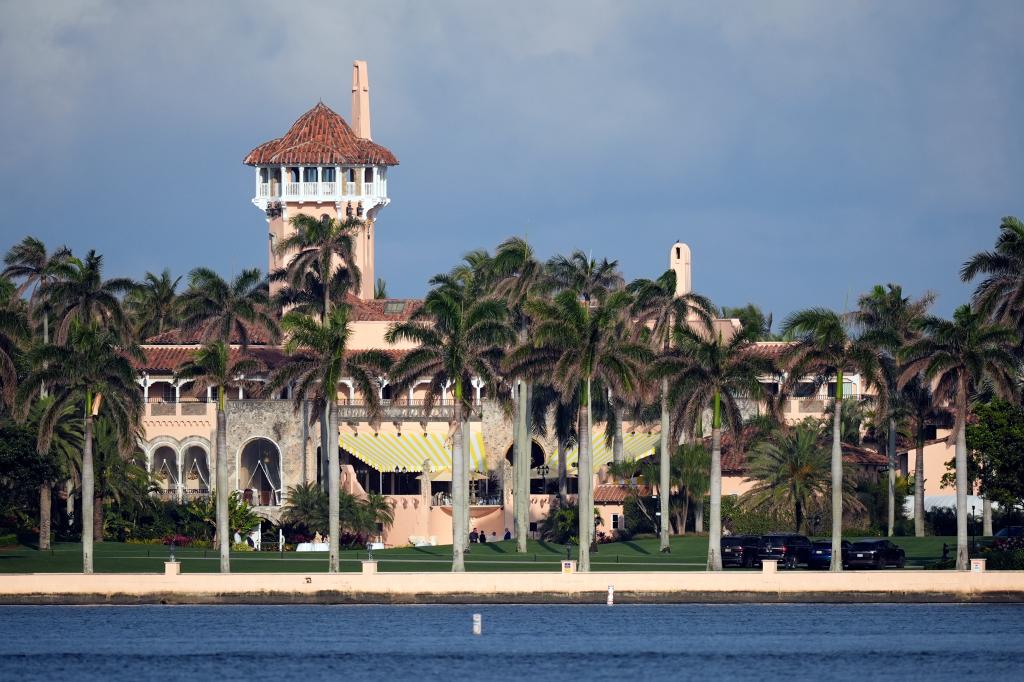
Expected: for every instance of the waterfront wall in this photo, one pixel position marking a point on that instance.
(517, 587)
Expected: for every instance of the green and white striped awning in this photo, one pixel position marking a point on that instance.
(386, 451)
(636, 445)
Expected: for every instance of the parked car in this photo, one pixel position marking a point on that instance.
(875, 554)
(821, 554)
(789, 549)
(740, 550)
(1008, 536)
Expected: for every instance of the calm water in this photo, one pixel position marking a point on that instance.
(934, 642)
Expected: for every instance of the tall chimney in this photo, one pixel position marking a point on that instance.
(360, 100)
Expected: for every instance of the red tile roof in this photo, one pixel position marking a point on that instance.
(170, 358)
(734, 459)
(616, 493)
(257, 337)
(320, 136)
(383, 309)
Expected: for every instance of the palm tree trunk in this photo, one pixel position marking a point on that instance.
(45, 502)
(97, 519)
(891, 452)
(325, 442)
(88, 488)
(962, 555)
(919, 488)
(586, 482)
(333, 487)
(563, 471)
(715, 525)
(223, 522)
(681, 525)
(837, 479)
(522, 466)
(618, 440)
(459, 489)
(698, 516)
(798, 515)
(664, 474)
(986, 517)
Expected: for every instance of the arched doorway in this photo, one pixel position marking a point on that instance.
(164, 469)
(196, 465)
(538, 481)
(259, 473)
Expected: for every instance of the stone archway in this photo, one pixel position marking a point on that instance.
(260, 473)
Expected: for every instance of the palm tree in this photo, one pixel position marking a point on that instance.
(120, 480)
(64, 452)
(92, 369)
(212, 367)
(306, 506)
(564, 409)
(14, 334)
(790, 471)
(658, 310)
(82, 295)
(459, 335)
(380, 289)
(1000, 296)
(318, 359)
(153, 304)
(919, 403)
(705, 370)
(589, 278)
(29, 261)
(574, 344)
(691, 474)
(519, 275)
(956, 357)
(221, 310)
(827, 347)
(890, 317)
(325, 246)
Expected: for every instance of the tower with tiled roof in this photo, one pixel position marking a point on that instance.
(324, 167)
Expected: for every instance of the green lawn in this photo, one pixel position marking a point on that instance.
(688, 554)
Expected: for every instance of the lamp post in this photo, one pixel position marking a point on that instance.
(974, 544)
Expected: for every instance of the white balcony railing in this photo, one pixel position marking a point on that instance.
(310, 189)
(292, 188)
(350, 189)
(370, 189)
(328, 188)
(264, 189)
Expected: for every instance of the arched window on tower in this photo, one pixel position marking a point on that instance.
(359, 210)
(327, 174)
(310, 174)
(348, 210)
(293, 174)
(368, 175)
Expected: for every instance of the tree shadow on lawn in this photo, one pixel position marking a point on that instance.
(635, 547)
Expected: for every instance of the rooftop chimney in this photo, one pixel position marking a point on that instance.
(360, 100)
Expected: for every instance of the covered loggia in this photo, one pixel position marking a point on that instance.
(196, 465)
(164, 469)
(259, 472)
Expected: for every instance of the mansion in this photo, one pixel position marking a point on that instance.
(326, 166)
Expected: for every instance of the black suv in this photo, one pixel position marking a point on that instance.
(789, 549)
(740, 550)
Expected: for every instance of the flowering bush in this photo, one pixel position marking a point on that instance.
(177, 540)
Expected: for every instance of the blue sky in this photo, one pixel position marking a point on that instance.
(805, 151)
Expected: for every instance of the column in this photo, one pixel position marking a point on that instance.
(145, 387)
(180, 459)
(177, 391)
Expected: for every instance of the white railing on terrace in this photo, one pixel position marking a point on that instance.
(292, 188)
(328, 188)
(310, 189)
(320, 190)
(350, 188)
(264, 189)
(370, 189)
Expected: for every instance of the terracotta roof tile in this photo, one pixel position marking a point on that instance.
(320, 136)
(383, 309)
(616, 493)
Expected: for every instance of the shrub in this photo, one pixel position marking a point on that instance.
(8, 539)
(742, 521)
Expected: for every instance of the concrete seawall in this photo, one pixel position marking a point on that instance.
(519, 587)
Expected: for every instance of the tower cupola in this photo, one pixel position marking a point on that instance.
(324, 167)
